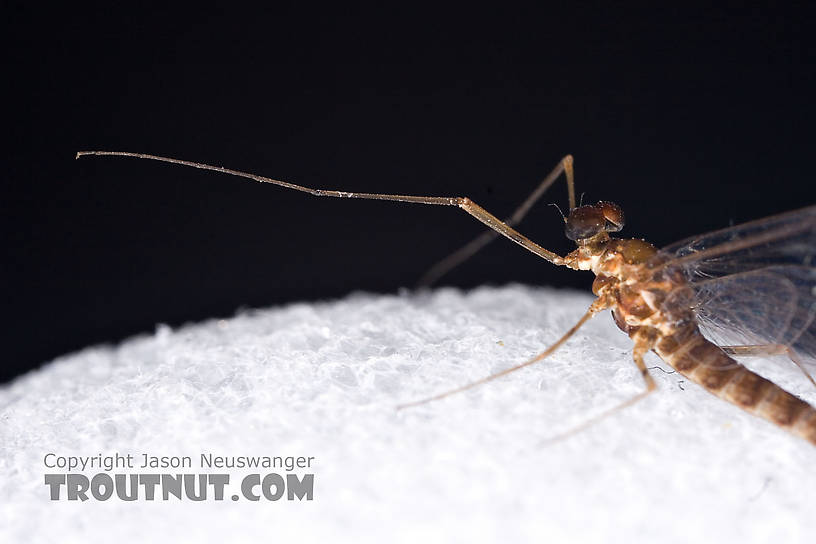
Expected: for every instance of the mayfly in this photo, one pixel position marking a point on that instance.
(750, 288)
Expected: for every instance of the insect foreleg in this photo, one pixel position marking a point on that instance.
(468, 250)
(461, 202)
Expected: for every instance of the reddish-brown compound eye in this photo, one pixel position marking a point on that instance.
(613, 215)
(585, 222)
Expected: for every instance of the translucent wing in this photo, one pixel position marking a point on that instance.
(753, 283)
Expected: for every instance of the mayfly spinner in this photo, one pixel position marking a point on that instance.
(750, 288)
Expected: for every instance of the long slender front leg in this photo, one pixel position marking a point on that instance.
(468, 250)
(597, 306)
(461, 202)
(766, 350)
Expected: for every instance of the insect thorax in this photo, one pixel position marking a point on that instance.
(622, 275)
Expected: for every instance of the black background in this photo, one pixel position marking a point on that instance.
(689, 118)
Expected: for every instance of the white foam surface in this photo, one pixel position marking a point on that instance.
(323, 379)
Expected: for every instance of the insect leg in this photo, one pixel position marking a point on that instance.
(461, 202)
(642, 346)
(765, 350)
(597, 306)
(468, 250)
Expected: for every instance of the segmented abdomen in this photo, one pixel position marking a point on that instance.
(701, 361)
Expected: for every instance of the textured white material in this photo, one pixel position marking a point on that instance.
(322, 380)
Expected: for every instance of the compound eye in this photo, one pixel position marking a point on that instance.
(613, 215)
(585, 222)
